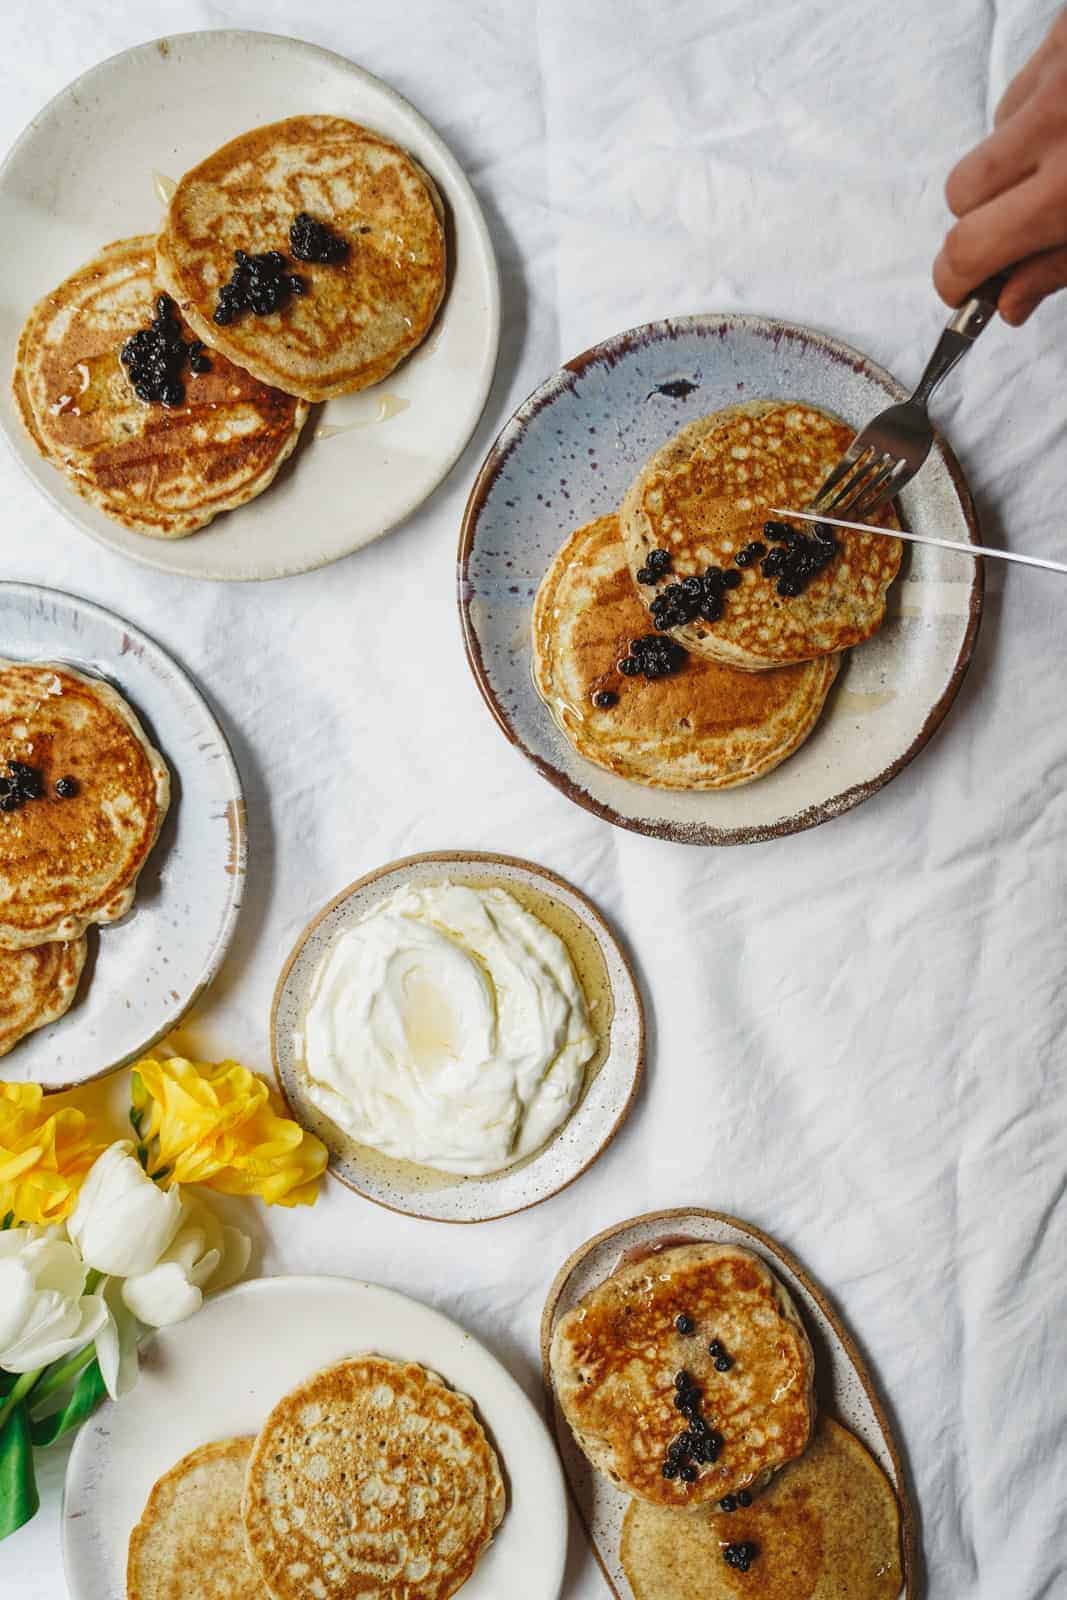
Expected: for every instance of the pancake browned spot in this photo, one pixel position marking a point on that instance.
(360, 316)
(708, 726)
(36, 987)
(68, 862)
(164, 471)
(707, 493)
(616, 1356)
(372, 1479)
(826, 1528)
(189, 1543)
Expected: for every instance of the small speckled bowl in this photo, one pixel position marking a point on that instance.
(570, 453)
(612, 1078)
(844, 1387)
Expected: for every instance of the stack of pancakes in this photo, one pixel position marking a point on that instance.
(168, 469)
(748, 687)
(373, 1478)
(75, 830)
(687, 1380)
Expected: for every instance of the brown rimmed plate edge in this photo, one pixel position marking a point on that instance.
(909, 1546)
(608, 350)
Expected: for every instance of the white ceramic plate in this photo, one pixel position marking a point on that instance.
(144, 972)
(81, 175)
(218, 1375)
(608, 1095)
(570, 453)
(843, 1386)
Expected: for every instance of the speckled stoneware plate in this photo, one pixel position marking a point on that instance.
(843, 1386)
(570, 453)
(84, 173)
(217, 1376)
(612, 1078)
(144, 972)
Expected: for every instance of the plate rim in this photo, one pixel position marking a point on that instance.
(251, 1287)
(151, 556)
(909, 1542)
(608, 350)
(238, 822)
(594, 914)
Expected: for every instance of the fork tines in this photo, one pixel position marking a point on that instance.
(861, 482)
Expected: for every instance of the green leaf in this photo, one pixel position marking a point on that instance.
(7, 1382)
(18, 1486)
(84, 1399)
(8, 1222)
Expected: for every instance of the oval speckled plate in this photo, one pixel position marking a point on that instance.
(83, 173)
(843, 1385)
(144, 972)
(612, 1078)
(570, 453)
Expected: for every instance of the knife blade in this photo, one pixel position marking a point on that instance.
(925, 538)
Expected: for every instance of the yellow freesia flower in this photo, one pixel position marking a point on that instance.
(43, 1156)
(217, 1124)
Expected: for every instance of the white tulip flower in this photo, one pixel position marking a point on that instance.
(44, 1314)
(116, 1343)
(203, 1253)
(123, 1222)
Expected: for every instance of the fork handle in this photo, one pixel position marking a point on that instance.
(961, 330)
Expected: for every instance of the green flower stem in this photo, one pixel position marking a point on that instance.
(56, 1376)
(22, 1388)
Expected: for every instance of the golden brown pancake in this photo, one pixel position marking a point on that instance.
(36, 987)
(164, 471)
(67, 863)
(359, 317)
(708, 726)
(189, 1543)
(616, 1355)
(707, 494)
(826, 1528)
(372, 1479)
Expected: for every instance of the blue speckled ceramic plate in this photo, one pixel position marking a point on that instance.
(569, 454)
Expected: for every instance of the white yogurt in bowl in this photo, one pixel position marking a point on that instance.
(464, 1033)
(448, 1028)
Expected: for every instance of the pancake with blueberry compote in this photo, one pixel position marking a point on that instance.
(700, 508)
(150, 427)
(311, 252)
(827, 1527)
(83, 795)
(642, 705)
(686, 1375)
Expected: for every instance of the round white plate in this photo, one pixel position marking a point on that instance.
(570, 453)
(420, 1191)
(218, 1375)
(81, 175)
(843, 1385)
(144, 972)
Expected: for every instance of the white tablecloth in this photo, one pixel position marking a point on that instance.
(857, 1032)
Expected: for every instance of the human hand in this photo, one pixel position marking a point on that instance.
(1010, 192)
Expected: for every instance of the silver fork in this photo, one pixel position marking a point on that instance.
(890, 450)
